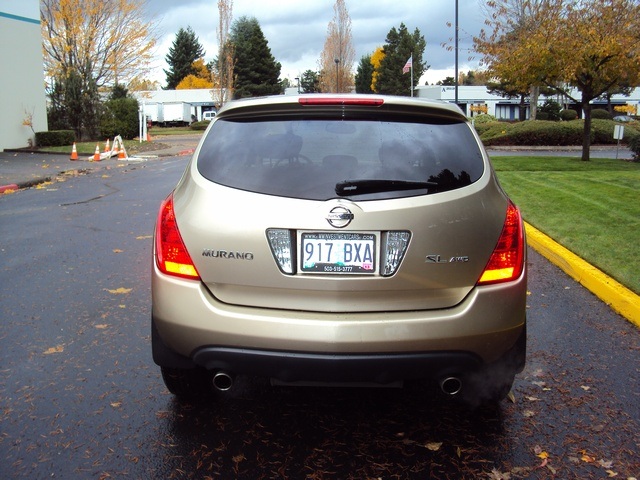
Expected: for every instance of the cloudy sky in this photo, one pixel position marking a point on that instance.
(296, 30)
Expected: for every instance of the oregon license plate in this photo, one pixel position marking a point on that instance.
(338, 252)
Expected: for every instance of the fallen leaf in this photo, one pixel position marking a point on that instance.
(58, 349)
(611, 473)
(102, 326)
(433, 446)
(119, 291)
(511, 396)
(528, 413)
(144, 237)
(498, 475)
(585, 388)
(117, 250)
(116, 404)
(605, 463)
(543, 455)
(587, 458)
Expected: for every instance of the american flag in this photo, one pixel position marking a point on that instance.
(407, 66)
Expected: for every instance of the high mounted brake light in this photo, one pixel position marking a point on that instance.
(507, 260)
(367, 101)
(172, 257)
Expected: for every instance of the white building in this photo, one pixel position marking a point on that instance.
(22, 88)
(176, 106)
(504, 108)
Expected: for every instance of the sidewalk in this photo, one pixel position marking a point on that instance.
(24, 169)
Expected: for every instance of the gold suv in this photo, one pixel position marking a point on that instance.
(340, 239)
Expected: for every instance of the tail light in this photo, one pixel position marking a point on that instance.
(507, 260)
(172, 257)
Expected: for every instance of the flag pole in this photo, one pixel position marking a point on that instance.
(412, 74)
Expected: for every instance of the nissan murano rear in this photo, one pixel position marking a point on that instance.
(348, 239)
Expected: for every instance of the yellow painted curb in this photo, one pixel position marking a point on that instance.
(614, 294)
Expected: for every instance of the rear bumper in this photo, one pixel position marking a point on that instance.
(379, 347)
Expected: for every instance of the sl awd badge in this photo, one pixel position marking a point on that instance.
(439, 259)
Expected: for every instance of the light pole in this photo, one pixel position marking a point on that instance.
(337, 60)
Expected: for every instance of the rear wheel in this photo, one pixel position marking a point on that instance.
(189, 383)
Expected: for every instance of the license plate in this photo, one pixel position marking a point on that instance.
(338, 252)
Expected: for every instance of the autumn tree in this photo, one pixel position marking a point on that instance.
(104, 41)
(255, 68)
(399, 47)
(590, 45)
(200, 78)
(364, 75)
(184, 51)
(376, 61)
(223, 66)
(338, 54)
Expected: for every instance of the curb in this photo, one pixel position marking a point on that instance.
(617, 296)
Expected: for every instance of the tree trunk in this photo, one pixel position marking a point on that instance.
(533, 102)
(586, 135)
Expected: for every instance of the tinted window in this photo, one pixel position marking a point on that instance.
(307, 158)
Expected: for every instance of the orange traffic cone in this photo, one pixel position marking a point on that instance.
(121, 152)
(74, 153)
(96, 155)
(107, 148)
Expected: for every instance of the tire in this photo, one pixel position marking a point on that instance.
(188, 384)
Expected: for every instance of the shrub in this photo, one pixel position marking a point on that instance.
(634, 145)
(120, 118)
(55, 138)
(483, 118)
(552, 110)
(601, 114)
(199, 125)
(568, 114)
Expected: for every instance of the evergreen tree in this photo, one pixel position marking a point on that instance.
(256, 70)
(399, 47)
(185, 50)
(310, 82)
(364, 75)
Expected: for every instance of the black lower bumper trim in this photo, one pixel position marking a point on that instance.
(302, 366)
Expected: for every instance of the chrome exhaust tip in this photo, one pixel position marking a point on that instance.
(451, 385)
(222, 381)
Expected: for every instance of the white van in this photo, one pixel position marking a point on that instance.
(208, 116)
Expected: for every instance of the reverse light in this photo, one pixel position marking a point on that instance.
(281, 247)
(507, 260)
(393, 252)
(172, 257)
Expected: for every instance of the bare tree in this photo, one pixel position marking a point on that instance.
(108, 41)
(338, 56)
(222, 75)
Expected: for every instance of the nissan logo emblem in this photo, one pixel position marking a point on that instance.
(339, 217)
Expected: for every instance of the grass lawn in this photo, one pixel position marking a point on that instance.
(592, 208)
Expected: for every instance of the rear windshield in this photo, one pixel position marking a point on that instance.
(323, 158)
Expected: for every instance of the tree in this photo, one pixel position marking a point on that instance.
(310, 82)
(121, 115)
(448, 81)
(376, 60)
(256, 70)
(185, 50)
(399, 47)
(338, 55)
(200, 78)
(590, 45)
(102, 41)
(222, 67)
(364, 75)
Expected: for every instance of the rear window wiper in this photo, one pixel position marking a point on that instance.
(363, 187)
